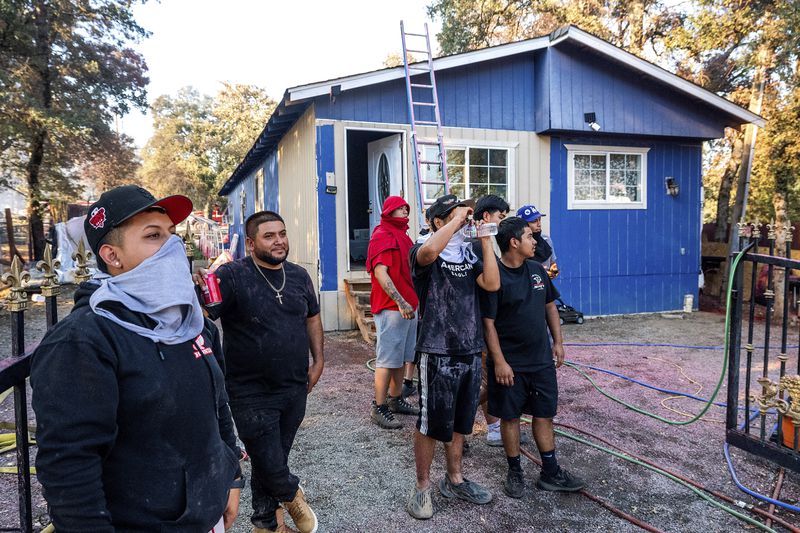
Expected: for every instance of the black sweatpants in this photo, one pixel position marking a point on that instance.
(267, 427)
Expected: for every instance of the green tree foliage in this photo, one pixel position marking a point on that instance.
(65, 70)
(472, 24)
(719, 44)
(198, 140)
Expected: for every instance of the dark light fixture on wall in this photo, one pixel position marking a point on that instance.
(672, 186)
(591, 120)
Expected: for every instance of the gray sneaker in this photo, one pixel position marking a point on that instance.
(420, 503)
(515, 483)
(468, 491)
(381, 415)
(400, 406)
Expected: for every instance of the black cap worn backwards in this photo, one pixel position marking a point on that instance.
(443, 205)
(118, 205)
(490, 203)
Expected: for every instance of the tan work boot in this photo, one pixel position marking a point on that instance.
(302, 515)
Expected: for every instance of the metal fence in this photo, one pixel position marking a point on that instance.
(768, 424)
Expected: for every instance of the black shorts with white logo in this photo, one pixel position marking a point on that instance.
(449, 388)
(532, 392)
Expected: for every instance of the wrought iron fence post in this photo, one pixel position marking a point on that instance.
(50, 287)
(735, 337)
(18, 304)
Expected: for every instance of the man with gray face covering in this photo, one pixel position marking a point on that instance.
(134, 430)
(270, 321)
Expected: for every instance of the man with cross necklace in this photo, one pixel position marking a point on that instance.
(270, 322)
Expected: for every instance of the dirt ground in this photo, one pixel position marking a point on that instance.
(357, 477)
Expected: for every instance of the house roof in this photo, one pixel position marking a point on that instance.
(296, 99)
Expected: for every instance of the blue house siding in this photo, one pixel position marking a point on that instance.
(326, 162)
(498, 95)
(629, 261)
(580, 81)
(270, 195)
(271, 182)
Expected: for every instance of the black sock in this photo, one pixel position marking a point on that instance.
(513, 463)
(549, 462)
(408, 382)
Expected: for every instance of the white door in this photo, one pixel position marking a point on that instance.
(385, 161)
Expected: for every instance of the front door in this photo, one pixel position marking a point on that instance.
(385, 164)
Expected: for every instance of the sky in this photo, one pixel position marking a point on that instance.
(268, 43)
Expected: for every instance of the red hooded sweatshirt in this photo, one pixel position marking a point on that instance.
(390, 246)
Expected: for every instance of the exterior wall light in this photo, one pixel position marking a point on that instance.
(672, 186)
(591, 120)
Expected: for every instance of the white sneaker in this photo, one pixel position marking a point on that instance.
(493, 437)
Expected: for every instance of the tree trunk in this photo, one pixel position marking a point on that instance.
(743, 185)
(636, 22)
(41, 64)
(725, 186)
(35, 218)
(782, 233)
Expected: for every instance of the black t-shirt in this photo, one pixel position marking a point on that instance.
(518, 310)
(265, 342)
(449, 307)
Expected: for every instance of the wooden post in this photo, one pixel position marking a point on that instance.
(12, 246)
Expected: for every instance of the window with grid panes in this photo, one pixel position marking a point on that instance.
(607, 178)
(473, 172)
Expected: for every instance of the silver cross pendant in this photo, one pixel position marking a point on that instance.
(279, 297)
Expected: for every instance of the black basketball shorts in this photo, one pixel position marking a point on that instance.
(449, 388)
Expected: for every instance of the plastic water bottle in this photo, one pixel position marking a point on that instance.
(473, 231)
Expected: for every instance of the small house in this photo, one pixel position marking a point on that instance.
(608, 145)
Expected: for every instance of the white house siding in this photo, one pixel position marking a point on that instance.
(297, 193)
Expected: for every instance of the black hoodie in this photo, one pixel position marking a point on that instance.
(132, 435)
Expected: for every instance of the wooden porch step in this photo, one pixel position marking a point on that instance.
(358, 292)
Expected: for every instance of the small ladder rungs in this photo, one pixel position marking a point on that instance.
(426, 123)
(429, 143)
(429, 104)
(421, 86)
(432, 182)
(430, 162)
(417, 51)
(415, 34)
(421, 69)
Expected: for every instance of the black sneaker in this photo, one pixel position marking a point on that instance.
(400, 406)
(561, 482)
(381, 415)
(408, 390)
(515, 483)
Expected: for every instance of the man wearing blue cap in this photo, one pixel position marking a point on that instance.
(545, 252)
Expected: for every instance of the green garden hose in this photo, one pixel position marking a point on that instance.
(723, 370)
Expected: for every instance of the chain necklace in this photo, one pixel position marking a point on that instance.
(278, 291)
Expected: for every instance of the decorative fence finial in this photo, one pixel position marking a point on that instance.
(81, 256)
(17, 300)
(48, 267)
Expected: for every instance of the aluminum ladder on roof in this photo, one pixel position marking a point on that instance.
(423, 107)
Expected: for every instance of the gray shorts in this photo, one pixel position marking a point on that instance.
(397, 338)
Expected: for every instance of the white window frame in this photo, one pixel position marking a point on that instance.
(607, 151)
(509, 147)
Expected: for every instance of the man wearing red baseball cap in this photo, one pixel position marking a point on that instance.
(134, 430)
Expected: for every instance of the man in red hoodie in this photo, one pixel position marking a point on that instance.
(394, 304)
